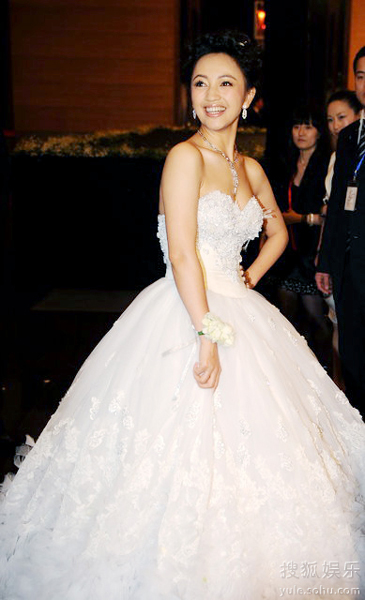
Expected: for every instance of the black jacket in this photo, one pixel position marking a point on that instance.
(299, 256)
(345, 230)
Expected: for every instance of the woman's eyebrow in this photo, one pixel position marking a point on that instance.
(231, 76)
(219, 77)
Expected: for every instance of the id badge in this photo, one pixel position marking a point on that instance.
(351, 196)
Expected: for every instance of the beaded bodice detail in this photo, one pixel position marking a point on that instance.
(223, 228)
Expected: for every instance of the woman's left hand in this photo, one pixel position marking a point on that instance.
(207, 371)
(246, 277)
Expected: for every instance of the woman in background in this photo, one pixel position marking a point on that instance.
(343, 108)
(300, 195)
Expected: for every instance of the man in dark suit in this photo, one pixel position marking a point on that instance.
(341, 265)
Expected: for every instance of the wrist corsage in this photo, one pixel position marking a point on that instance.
(216, 330)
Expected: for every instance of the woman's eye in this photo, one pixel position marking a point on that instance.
(199, 83)
(226, 83)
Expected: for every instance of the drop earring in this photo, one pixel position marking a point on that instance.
(244, 112)
(194, 114)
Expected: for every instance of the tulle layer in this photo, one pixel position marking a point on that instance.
(145, 487)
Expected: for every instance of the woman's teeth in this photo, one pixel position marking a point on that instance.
(214, 109)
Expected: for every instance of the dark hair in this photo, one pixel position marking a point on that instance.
(346, 96)
(360, 54)
(308, 115)
(238, 46)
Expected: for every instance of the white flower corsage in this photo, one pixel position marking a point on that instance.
(216, 330)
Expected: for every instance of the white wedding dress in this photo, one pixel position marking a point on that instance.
(144, 486)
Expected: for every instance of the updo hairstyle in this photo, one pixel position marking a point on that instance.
(237, 45)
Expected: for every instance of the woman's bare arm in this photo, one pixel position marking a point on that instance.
(291, 217)
(275, 228)
(180, 191)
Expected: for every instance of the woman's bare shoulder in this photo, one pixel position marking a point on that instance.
(187, 151)
(182, 173)
(254, 171)
(252, 166)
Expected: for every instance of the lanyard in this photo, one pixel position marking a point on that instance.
(358, 167)
(360, 128)
(358, 142)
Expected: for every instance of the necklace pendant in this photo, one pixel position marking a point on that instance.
(230, 162)
(235, 179)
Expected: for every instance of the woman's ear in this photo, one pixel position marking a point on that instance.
(249, 97)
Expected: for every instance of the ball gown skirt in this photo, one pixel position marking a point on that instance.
(144, 486)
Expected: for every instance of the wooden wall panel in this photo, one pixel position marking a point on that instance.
(357, 35)
(83, 65)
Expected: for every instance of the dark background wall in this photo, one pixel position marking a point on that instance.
(306, 58)
(93, 64)
(6, 92)
(235, 14)
(356, 33)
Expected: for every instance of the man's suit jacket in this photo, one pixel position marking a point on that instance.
(344, 229)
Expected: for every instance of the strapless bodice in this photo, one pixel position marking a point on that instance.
(223, 228)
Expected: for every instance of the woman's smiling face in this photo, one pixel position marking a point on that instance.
(339, 115)
(218, 90)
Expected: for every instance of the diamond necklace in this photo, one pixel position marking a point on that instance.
(229, 161)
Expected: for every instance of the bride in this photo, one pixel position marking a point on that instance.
(201, 453)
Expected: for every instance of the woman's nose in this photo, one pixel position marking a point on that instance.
(212, 93)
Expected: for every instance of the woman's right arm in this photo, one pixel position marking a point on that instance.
(180, 191)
